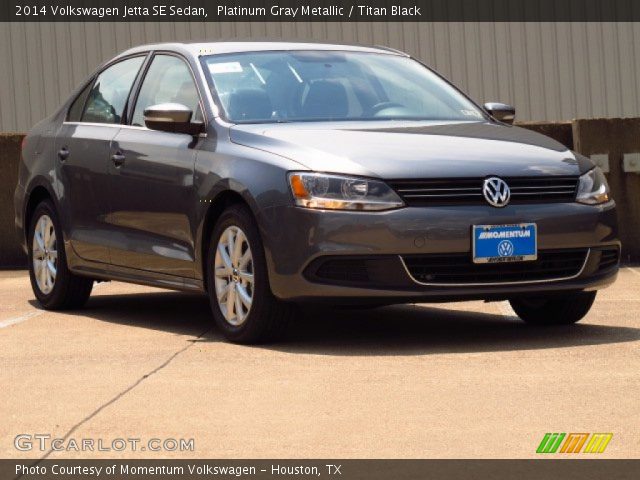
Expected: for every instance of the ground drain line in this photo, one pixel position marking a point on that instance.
(120, 395)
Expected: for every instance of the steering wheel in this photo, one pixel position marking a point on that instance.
(378, 107)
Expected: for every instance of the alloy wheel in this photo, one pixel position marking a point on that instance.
(233, 270)
(45, 254)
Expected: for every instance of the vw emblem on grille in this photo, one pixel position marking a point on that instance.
(496, 192)
(505, 248)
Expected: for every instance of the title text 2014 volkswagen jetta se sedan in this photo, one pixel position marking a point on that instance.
(270, 174)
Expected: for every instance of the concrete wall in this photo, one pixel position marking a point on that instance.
(549, 71)
(613, 137)
(11, 255)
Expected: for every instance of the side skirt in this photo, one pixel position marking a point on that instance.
(103, 271)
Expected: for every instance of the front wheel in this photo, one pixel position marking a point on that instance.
(243, 306)
(554, 310)
(53, 284)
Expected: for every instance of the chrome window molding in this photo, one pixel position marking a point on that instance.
(118, 125)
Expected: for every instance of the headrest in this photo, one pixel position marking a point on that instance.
(249, 104)
(325, 99)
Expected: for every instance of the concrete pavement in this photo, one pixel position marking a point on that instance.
(463, 380)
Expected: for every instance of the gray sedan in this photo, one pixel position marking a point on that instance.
(274, 174)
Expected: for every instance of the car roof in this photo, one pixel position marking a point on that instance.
(211, 48)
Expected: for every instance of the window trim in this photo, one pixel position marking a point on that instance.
(91, 83)
(140, 75)
(133, 97)
(222, 114)
(86, 84)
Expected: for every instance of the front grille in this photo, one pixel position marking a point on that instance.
(459, 268)
(468, 191)
(608, 259)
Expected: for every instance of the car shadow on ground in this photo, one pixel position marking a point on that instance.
(173, 312)
(395, 330)
(424, 329)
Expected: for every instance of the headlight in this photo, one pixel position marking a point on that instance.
(336, 192)
(593, 188)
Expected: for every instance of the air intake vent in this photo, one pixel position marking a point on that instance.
(608, 259)
(468, 191)
(343, 270)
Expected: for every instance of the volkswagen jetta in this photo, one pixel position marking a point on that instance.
(272, 174)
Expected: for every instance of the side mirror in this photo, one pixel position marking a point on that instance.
(171, 117)
(502, 112)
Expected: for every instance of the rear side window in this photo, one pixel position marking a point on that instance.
(168, 80)
(108, 97)
(75, 111)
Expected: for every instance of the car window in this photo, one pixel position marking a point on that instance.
(168, 80)
(75, 111)
(110, 91)
(290, 86)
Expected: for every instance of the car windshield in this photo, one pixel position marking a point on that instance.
(297, 86)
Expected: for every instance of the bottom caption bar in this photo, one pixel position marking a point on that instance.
(306, 469)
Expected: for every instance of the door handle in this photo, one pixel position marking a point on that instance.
(63, 154)
(118, 159)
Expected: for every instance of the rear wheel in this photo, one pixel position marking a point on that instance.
(554, 310)
(243, 306)
(55, 287)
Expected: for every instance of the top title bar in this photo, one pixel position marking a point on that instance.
(321, 11)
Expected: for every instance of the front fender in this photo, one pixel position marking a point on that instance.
(258, 177)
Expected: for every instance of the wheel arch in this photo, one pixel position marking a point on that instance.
(218, 205)
(37, 194)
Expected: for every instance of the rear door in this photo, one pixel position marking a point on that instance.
(153, 200)
(83, 144)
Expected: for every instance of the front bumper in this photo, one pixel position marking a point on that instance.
(296, 239)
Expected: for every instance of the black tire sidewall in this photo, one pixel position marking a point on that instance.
(253, 326)
(555, 310)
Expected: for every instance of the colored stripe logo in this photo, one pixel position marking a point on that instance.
(598, 442)
(573, 442)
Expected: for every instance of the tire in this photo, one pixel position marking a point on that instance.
(60, 289)
(554, 310)
(264, 318)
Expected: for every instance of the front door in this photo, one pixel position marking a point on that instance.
(151, 179)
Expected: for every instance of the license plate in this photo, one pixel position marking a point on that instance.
(504, 243)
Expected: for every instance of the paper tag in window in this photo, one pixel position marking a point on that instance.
(471, 113)
(227, 67)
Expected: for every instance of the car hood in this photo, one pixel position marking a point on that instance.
(396, 150)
